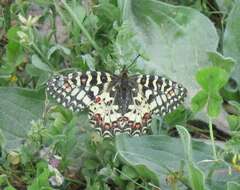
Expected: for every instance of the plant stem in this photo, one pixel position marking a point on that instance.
(212, 138)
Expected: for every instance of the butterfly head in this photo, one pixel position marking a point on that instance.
(124, 72)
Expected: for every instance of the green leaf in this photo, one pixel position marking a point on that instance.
(176, 38)
(196, 177)
(56, 47)
(233, 185)
(15, 52)
(91, 164)
(199, 101)
(33, 71)
(37, 62)
(234, 122)
(129, 172)
(9, 188)
(18, 107)
(159, 153)
(212, 79)
(186, 141)
(231, 41)
(41, 180)
(214, 104)
(218, 60)
(225, 5)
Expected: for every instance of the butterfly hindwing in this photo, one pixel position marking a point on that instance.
(162, 95)
(104, 115)
(78, 90)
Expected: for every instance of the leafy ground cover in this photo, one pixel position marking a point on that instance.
(196, 43)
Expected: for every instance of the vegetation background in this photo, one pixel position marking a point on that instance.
(194, 42)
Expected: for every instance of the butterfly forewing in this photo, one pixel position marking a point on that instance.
(162, 95)
(77, 90)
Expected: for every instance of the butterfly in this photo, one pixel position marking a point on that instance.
(117, 103)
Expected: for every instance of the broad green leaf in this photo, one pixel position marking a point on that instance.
(233, 185)
(199, 101)
(37, 62)
(176, 39)
(196, 177)
(231, 41)
(18, 107)
(212, 79)
(218, 60)
(160, 154)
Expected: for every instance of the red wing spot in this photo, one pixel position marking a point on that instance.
(98, 118)
(137, 126)
(66, 86)
(146, 117)
(98, 99)
(170, 94)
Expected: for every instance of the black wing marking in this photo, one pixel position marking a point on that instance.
(163, 95)
(77, 90)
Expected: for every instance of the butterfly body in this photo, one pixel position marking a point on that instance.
(117, 103)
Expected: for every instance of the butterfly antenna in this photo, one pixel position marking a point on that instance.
(133, 62)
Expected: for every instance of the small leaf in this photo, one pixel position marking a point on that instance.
(37, 62)
(199, 101)
(212, 79)
(3, 179)
(128, 172)
(41, 180)
(234, 122)
(15, 52)
(91, 164)
(196, 177)
(53, 49)
(32, 70)
(130, 186)
(186, 141)
(9, 188)
(214, 104)
(218, 60)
